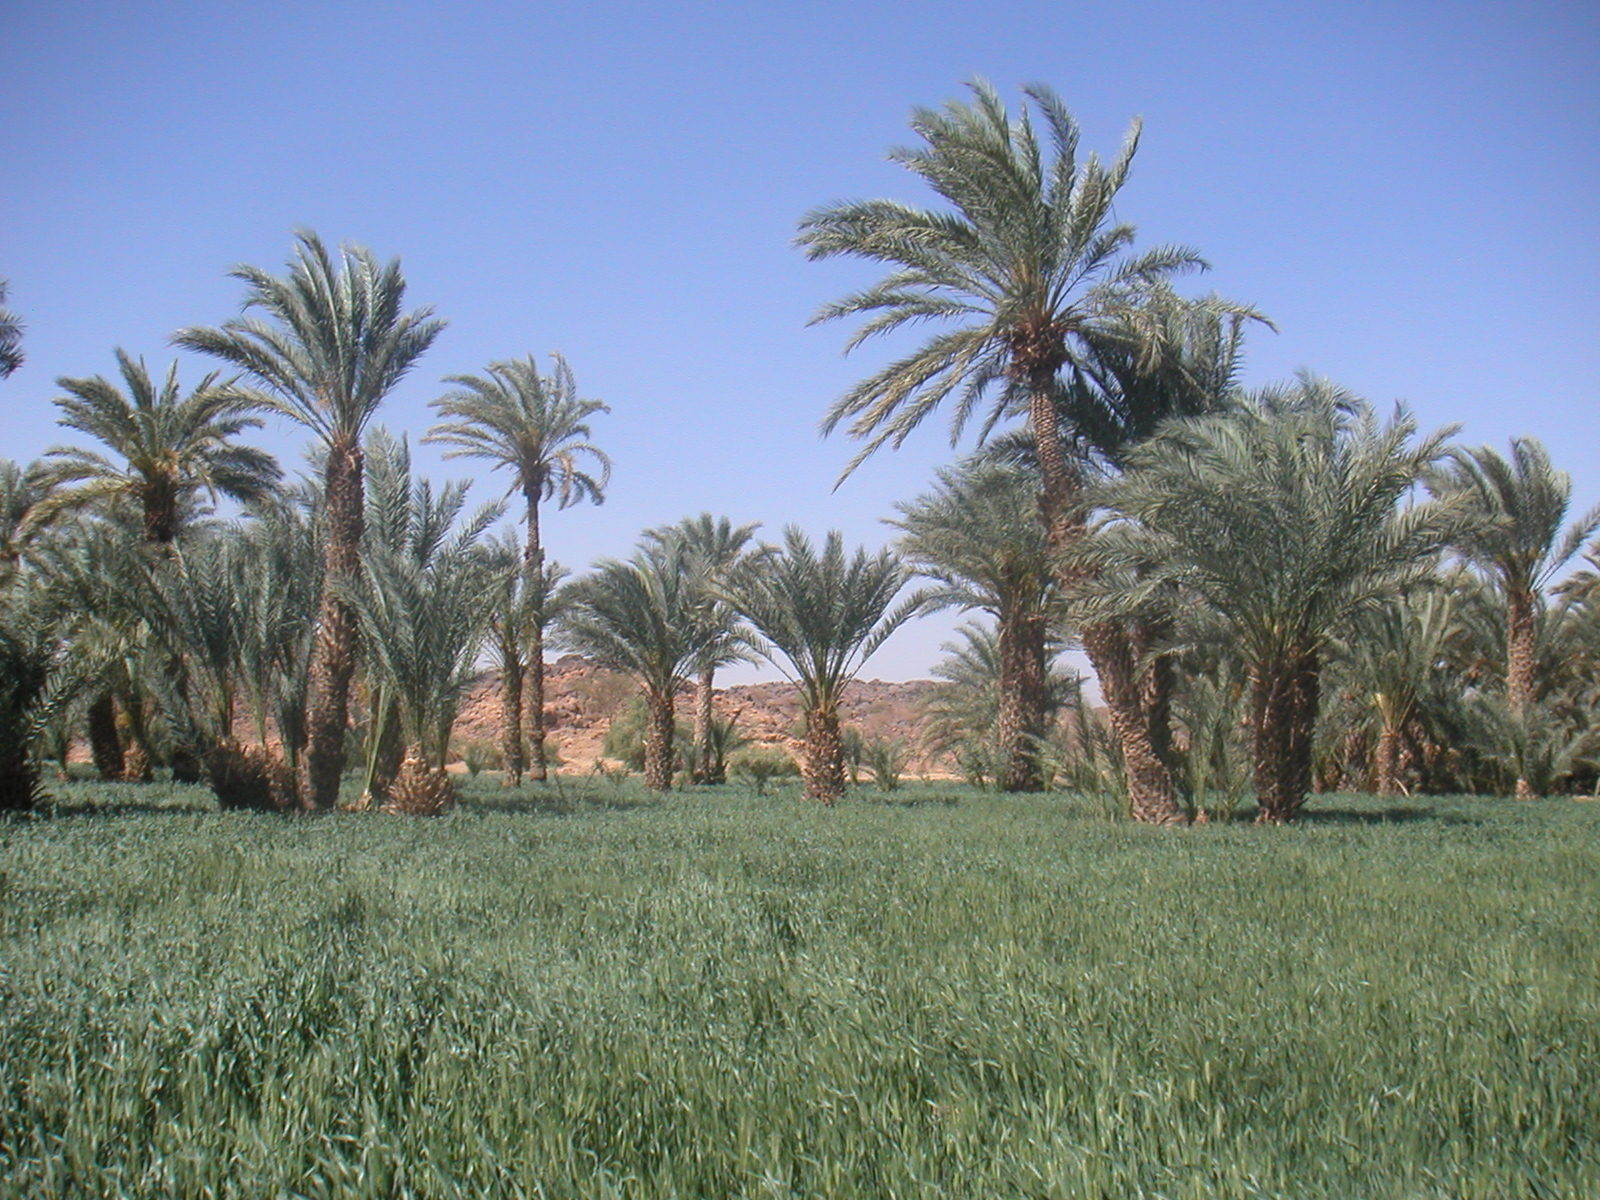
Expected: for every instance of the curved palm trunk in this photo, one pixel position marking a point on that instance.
(1021, 701)
(1521, 650)
(1285, 721)
(533, 566)
(333, 657)
(1151, 794)
(823, 767)
(658, 741)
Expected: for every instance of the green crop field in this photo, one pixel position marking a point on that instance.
(942, 994)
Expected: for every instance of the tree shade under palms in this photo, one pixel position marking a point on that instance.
(1027, 260)
(822, 616)
(537, 427)
(335, 342)
(1269, 529)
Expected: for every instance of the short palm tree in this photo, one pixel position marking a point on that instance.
(714, 546)
(10, 335)
(1515, 511)
(166, 447)
(643, 617)
(536, 426)
(25, 514)
(978, 536)
(1269, 529)
(1027, 262)
(334, 342)
(822, 615)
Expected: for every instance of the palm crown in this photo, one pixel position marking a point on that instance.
(1027, 259)
(171, 446)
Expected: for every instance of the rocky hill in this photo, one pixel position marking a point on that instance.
(582, 699)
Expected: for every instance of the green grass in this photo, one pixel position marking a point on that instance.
(942, 993)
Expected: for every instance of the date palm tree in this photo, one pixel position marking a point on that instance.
(715, 545)
(25, 514)
(1269, 529)
(1027, 260)
(644, 617)
(978, 536)
(10, 335)
(333, 340)
(822, 616)
(166, 448)
(1516, 508)
(537, 427)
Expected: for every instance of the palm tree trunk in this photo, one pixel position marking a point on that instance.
(1021, 701)
(333, 657)
(1156, 685)
(1151, 794)
(824, 756)
(105, 743)
(1285, 724)
(658, 741)
(1387, 761)
(703, 716)
(1521, 649)
(511, 718)
(532, 567)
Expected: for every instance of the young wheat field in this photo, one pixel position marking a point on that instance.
(943, 994)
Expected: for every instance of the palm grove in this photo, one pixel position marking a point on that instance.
(1279, 590)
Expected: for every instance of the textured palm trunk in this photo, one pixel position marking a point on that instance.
(511, 720)
(105, 743)
(138, 764)
(1021, 701)
(333, 656)
(533, 568)
(387, 756)
(1386, 760)
(1152, 797)
(823, 765)
(704, 767)
(1521, 646)
(659, 717)
(1156, 685)
(1285, 724)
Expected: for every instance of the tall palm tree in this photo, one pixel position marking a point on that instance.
(536, 426)
(1026, 262)
(166, 447)
(334, 342)
(822, 615)
(978, 536)
(10, 335)
(714, 544)
(1516, 509)
(643, 617)
(1269, 529)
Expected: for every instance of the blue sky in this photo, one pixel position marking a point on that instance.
(1407, 189)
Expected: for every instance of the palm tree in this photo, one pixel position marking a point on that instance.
(714, 544)
(978, 536)
(10, 336)
(166, 447)
(25, 514)
(822, 615)
(644, 617)
(334, 344)
(1026, 265)
(1269, 529)
(537, 427)
(1514, 536)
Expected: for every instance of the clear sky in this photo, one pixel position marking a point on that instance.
(1407, 189)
